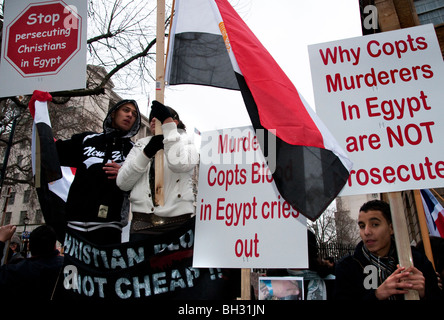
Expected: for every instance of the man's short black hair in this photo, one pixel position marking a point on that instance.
(378, 205)
(42, 241)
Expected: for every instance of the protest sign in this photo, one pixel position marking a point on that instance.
(382, 98)
(241, 219)
(43, 46)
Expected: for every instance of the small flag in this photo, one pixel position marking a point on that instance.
(211, 45)
(43, 146)
(52, 181)
(434, 213)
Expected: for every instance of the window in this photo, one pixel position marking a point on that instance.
(430, 11)
(11, 198)
(26, 196)
(23, 215)
(8, 216)
(38, 216)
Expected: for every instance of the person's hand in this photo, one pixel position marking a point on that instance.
(159, 111)
(400, 282)
(111, 169)
(439, 280)
(154, 145)
(6, 232)
(416, 279)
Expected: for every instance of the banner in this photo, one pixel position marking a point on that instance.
(382, 98)
(159, 268)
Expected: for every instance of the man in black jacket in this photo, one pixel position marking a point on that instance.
(96, 209)
(372, 272)
(32, 278)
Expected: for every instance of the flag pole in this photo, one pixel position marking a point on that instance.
(169, 31)
(401, 237)
(423, 226)
(160, 93)
(437, 194)
(245, 284)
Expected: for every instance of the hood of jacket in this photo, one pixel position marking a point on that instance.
(107, 123)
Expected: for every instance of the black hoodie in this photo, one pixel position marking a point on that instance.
(91, 188)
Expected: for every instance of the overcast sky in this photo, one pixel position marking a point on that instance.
(285, 28)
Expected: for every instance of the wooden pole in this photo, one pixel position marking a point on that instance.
(423, 226)
(401, 237)
(160, 93)
(245, 284)
(169, 31)
(437, 194)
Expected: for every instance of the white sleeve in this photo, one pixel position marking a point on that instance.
(135, 164)
(180, 151)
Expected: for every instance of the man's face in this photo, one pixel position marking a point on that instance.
(375, 232)
(125, 117)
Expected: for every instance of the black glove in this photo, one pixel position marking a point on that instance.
(155, 144)
(159, 111)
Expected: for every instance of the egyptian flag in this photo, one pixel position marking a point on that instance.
(52, 181)
(434, 213)
(211, 45)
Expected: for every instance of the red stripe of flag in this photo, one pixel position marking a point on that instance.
(275, 95)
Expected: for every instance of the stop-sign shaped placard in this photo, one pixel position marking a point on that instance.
(43, 38)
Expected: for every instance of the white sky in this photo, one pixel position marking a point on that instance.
(285, 28)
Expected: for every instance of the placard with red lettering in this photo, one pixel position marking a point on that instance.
(382, 97)
(241, 219)
(43, 46)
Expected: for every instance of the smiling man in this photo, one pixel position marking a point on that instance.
(372, 272)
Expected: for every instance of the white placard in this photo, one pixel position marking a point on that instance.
(43, 46)
(241, 220)
(382, 97)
